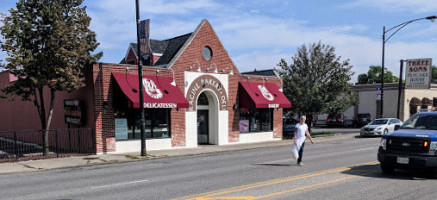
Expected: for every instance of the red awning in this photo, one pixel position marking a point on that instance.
(262, 95)
(158, 91)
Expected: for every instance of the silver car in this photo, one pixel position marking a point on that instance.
(380, 126)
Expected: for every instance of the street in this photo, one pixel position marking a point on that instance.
(334, 169)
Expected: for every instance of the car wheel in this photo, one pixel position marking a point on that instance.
(385, 131)
(387, 168)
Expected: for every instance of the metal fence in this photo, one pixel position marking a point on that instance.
(28, 144)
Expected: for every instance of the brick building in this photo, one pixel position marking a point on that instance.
(193, 94)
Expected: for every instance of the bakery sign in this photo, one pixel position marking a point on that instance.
(74, 112)
(206, 82)
(418, 73)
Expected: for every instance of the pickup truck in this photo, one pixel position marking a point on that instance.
(412, 145)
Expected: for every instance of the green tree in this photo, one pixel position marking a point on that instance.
(434, 74)
(374, 76)
(48, 44)
(317, 82)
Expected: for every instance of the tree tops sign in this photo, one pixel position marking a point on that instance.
(206, 82)
(418, 73)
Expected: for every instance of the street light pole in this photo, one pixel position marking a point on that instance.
(381, 108)
(384, 40)
(140, 82)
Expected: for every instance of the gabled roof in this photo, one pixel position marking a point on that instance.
(267, 72)
(173, 47)
(166, 48)
(158, 46)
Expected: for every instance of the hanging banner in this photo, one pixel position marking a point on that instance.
(418, 73)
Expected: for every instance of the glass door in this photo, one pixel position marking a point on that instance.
(202, 127)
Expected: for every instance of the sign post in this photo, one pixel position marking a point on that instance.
(378, 93)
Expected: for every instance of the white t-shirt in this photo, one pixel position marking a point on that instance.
(301, 131)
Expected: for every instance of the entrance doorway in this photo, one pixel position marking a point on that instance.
(207, 119)
(202, 127)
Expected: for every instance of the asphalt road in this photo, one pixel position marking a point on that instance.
(339, 169)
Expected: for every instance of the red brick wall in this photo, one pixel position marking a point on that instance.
(103, 88)
(105, 130)
(193, 52)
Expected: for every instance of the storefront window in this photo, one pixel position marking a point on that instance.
(258, 119)
(157, 124)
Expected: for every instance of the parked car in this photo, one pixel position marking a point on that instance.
(335, 121)
(362, 119)
(413, 145)
(288, 125)
(380, 126)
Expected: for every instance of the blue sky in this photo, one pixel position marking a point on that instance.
(258, 33)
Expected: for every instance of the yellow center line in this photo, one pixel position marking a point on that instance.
(219, 198)
(271, 182)
(314, 185)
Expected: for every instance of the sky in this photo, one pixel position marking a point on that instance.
(258, 33)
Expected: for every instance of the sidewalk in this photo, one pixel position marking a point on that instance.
(66, 162)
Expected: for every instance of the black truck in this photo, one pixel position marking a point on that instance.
(412, 145)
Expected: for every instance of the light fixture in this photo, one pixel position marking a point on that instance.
(232, 70)
(173, 82)
(432, 18)
(198, 63)
(215, 70)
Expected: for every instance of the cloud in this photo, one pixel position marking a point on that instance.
(253, 40)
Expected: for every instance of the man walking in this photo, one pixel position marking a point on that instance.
(300, 134)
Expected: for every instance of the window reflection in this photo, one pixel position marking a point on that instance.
(258, 119)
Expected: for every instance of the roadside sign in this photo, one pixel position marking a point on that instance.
(378, 93)
(418, 73)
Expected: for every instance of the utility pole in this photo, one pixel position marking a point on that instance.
(140, 82)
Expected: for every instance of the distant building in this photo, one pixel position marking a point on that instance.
(412, 100)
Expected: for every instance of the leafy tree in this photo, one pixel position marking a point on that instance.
(48, 44)
(317, 82)
(374, 76)
(434, 74)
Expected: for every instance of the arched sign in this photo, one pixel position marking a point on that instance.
(206, 82)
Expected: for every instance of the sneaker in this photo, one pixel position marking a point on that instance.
(300, 164)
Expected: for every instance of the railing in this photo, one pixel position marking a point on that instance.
(28, 144)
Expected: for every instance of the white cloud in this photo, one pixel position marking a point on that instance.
(254, 40)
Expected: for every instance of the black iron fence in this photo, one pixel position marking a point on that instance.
(28, 144)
